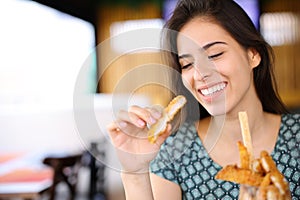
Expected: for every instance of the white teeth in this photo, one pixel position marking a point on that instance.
(213, 89)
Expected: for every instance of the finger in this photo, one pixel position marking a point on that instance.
(121, 135)
(156, 111)
(146, 115)
(114, 132)
(129, 124)
(120, 123)
(121, 127)
(113, 129)
(124, 118)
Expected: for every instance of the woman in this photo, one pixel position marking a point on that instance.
(227, 67)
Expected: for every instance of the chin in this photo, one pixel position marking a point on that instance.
(216, 109)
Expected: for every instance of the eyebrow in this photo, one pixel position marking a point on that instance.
(205, 47)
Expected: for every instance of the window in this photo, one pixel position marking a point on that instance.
(42, 51)
(280, 28)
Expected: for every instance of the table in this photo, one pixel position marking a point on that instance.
(24, 190)
(23, 176)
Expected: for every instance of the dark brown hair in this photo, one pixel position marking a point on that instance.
(237, 23)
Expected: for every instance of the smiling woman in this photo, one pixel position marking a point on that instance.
(213, 69)
(226, 66)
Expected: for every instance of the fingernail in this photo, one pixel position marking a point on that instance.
(156, 114)
(141, 122)
(152, 120)
(123, 124)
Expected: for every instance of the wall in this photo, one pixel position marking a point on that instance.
(111, 71)
(287, 60)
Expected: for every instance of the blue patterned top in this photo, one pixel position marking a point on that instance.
(183, 160)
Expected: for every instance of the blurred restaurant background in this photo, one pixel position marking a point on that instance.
(52, 50)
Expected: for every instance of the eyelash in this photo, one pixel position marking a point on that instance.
(186, 66)
(209, 57)
(215, 55)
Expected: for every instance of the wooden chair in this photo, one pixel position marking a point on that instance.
(65, 170)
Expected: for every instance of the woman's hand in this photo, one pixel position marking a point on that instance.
(129, 136)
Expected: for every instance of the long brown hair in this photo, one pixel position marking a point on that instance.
(237, 23)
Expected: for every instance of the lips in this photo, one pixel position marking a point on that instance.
(212, 90)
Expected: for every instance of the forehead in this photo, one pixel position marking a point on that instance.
(198, 32)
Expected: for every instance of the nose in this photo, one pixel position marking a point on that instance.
(202, 70)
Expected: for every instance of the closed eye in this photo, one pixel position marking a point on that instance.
(215, 55)
(186, 66)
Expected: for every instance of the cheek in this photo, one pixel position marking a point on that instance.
(187, 79)
(237, 66)
(225, 68)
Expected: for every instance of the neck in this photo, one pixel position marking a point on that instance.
(229, 124)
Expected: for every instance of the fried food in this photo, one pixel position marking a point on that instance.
(244, 156)
(267, 162)
(261, 172)
(246, 134)
(256, 166)
(168, 115)
(239, 175)
(158, 128)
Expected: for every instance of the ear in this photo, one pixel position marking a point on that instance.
(254, 57)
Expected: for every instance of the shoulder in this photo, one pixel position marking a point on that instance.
(290, 128)
(287, 150)
(287, 145)
(291, 117)
(291, 122)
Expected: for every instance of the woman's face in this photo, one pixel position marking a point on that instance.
(215, 68)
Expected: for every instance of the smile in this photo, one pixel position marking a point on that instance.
(211, 90)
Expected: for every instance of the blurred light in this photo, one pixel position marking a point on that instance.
(280, 28)
(130, 35)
